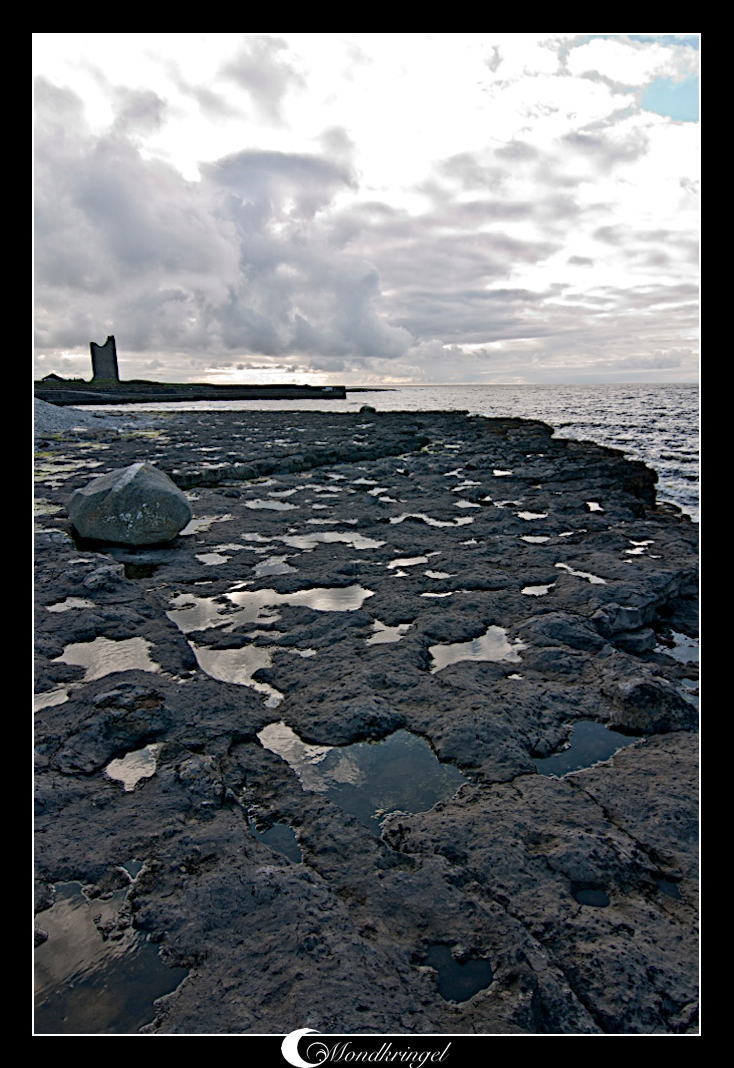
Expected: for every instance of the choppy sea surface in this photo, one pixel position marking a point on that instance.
(658, 424)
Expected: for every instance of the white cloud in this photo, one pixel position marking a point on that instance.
(631, 62)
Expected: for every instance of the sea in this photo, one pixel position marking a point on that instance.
(655, 423)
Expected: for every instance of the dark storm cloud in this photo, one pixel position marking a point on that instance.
(498, 171)
(604, 151)
(439, 270)
(138, 111)
(237, 261)
(264, 178)
(471, 171)
(337, 143)
(260, 69)
(655, 248)
(496, 59)
(611, 235)
(678, 296)
(517, 152)
(103, 214)
(213, 104)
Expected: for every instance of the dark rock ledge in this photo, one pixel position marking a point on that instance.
(501, 872)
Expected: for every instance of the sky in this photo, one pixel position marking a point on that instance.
(368, 208)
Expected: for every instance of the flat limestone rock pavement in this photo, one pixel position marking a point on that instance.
(329, 557)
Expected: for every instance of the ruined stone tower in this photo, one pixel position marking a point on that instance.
(104, 361)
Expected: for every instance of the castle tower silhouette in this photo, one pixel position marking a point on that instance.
(104, 360)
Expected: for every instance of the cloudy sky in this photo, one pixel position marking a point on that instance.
(368, 208)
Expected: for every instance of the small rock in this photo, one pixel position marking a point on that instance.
(648, 706)
(613, 618)
(201, 776)
(105, 578)
(136, 505)
(636, 641)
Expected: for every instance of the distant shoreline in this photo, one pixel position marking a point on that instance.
(64, 393)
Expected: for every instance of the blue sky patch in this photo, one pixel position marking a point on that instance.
(677, 100)
(690, 40)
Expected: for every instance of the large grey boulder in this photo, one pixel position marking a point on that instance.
(136, 505)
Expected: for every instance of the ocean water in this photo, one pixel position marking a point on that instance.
(658, 424)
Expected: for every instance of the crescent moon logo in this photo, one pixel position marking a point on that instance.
(289, 1048)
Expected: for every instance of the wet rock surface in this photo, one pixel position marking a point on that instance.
(578, 892)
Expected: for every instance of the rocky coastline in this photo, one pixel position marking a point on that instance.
(472, 584)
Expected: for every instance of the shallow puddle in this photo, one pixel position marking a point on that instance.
(273, 565)
(683, 649)
(203, 523)
(238, 666)
(535, 539)
(329, 537)
(384, 635)
(191, 613)
(49, 698)
(319, 598)
(422, 517)
(212, 558)
(456, 981)
(70, 602)
(133, 767)
(85, 985)
(408, 561)
(589, 743)
(532, 515)
(688, 689)
(492, 645)
(537, 591)
(369, 780)
(583, 574)
(669, 889)
(281, 838)
(274, 506)
(103, 656)
(593, 896)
